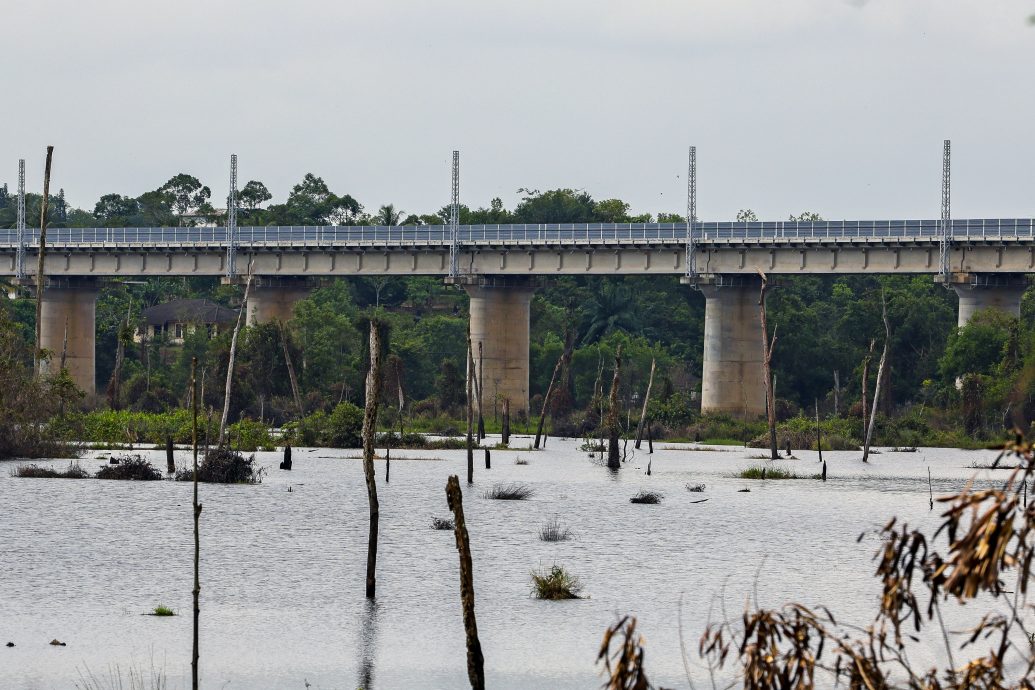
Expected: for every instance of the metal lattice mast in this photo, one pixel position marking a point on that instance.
(691, 216)
(946, 224)
(19, 269)
(454, 220)
(231, 220)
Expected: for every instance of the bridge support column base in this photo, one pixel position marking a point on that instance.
(996, 291)
(71, 304)
(733, 379)
(274, 299)
(500, 318)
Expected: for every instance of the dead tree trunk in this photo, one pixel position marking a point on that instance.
(296, 392)
(480, 381)
(115, 384)
(505, 440)
(64, 348)
(646, 400)
(837, 393)
(475, 660)
(819, 434)
(767, 357)
(470, 412)
(197, 517)
(41, 278)
(865, 378)
(546, 400)
(373, 397)
(230, 365)
(612, 415)
(880, 379)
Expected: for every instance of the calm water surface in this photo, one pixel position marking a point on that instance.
(283, 571)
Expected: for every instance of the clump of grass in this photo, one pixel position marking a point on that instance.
(554, 531)
(521, 461)
(696, 488)
(760, 472)
(592, 447)
(509, 492)
(723, 442)
(647, 497)
(442, 523)
(555, 584)
(162, 610)
(34, 471)
(223, 466)
(131, 467)
(902, 449)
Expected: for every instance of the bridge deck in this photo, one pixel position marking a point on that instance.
(1007, 230)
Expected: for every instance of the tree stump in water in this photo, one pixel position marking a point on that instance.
(170, 466)
(475, 660)
(285, 464)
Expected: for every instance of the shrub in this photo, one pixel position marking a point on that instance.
(131, 467)
(249, 436)
(223, 466)
(761, 472)
(344, 427)
(442, 523)
(696, 488)
(34, 471)
(647, 497)
(554, 531)
(509, 492)
(555, 584)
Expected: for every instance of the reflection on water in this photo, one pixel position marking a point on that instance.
(367, 644)
(283, 571)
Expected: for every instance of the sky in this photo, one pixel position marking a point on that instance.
(833, 106)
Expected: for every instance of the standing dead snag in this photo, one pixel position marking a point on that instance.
(197, 518)
(41, 278)
(865, 378)
(646, 400)
(612, 414)
(880, 378)
(505, 435)
(480, 382)
(373, 396)
(296, 392)
(230, 366)
(470, 412)
(562, 362)
(475, 660)
(767, 358)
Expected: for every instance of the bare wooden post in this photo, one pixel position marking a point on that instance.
(819, 434)
(470, 412)
(170, 465)
(197, 517)
(612, 414)
(230, 364)
(41, 278)
(481, 387)
(295, 390)
(646, 400)
(373, 396)
(650, 438)
(475, 660)
(488, 459)
(880, 378)
(767, 357)
(505, 440)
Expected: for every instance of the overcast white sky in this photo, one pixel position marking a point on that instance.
(836, 106)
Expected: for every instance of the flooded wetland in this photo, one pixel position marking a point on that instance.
(282, 563)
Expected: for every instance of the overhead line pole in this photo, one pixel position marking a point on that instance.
(946, 222)
(20, 249)
(231, 220)
(454, 220)
(691, 218)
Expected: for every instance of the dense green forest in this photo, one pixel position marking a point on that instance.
(944, 383)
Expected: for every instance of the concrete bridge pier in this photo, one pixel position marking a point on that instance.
(71, 303)
(733, 380)
(274, 298)
(500, 316)
(1002, 291)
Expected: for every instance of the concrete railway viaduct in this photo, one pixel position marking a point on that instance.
(985, 261)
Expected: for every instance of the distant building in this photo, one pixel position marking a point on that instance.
(176, 319)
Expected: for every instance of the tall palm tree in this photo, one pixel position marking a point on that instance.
(612, 308)
(387, 215)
